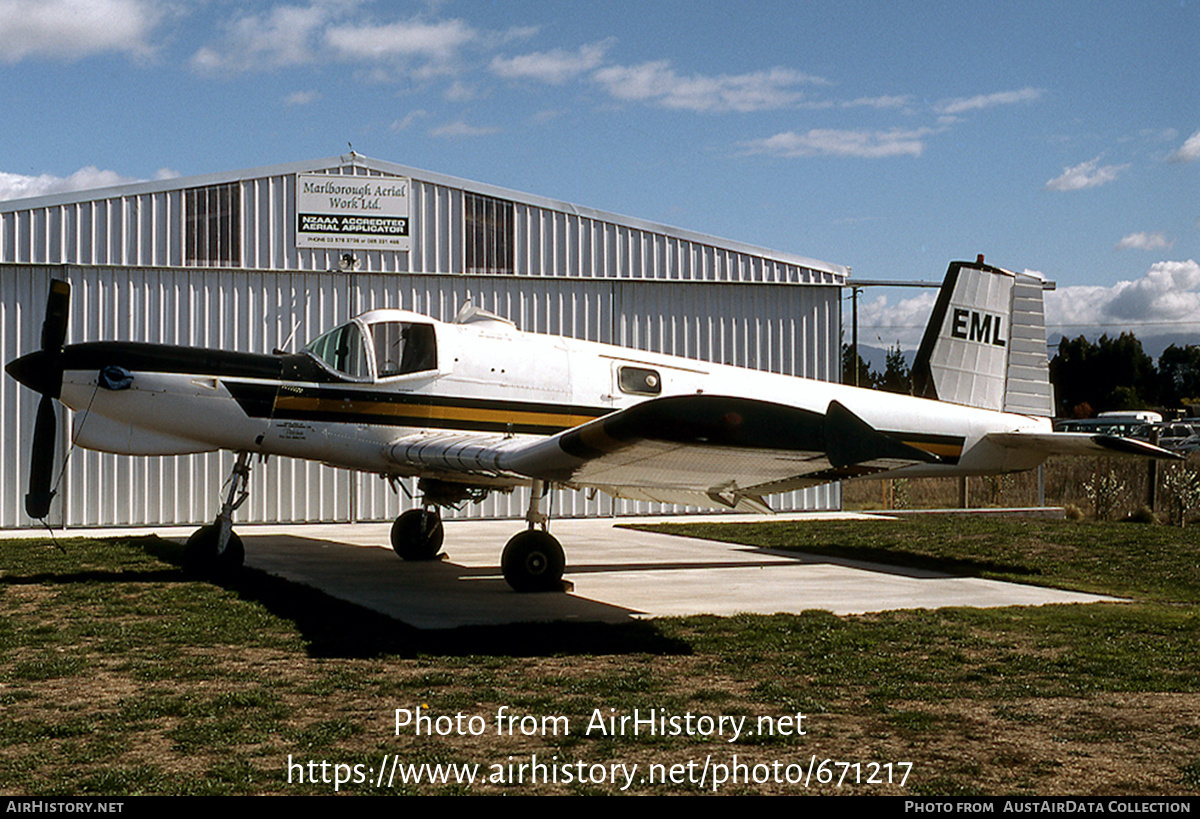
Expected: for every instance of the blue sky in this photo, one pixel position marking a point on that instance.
(891, 137)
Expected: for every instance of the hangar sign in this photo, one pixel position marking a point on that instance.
(352, 211)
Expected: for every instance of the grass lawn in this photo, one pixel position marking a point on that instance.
(120, 676)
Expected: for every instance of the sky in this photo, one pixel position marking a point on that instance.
(1061, 138)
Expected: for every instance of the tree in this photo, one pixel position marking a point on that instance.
(1179, 375)
(866, 376)
(1112, 374)
(1128, 373)
(1070, 373)
(897, 377)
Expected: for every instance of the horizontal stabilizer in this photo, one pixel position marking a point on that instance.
(1080, 443)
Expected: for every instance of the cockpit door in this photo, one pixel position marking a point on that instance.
(404, 348)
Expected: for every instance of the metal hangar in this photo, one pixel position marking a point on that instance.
(271, 257)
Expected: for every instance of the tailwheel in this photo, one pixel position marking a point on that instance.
(417, 534)
(203, 557)
(533, 561)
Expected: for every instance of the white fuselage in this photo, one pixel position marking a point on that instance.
(490, 378)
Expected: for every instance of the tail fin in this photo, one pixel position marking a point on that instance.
(985, 344)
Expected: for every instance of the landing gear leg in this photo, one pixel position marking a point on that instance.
(216, 550)
(533, 560)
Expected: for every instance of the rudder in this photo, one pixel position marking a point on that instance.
(985, 344)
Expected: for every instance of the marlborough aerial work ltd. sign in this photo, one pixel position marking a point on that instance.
(352, 212)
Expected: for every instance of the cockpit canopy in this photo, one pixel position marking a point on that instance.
(393, 348)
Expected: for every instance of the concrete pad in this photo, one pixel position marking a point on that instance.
(618, 574)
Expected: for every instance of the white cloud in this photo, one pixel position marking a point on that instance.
(410, 38)
(302, 97)
(71, 29)
(825, 142)
(19, 186)
(514, 33)
(408, 119)
(879, 102)
(283, 36)
(553, 67)
(323, 30)
(1153, 135)
(883, 324)
(1169, 291)
(1144, 241)
(961, 105)
(1166, 299)
(658, 84)
(1189, 151)
(1085, 175)
(462, 129)
(459, 91)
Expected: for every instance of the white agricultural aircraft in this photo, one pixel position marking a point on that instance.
(475, 406)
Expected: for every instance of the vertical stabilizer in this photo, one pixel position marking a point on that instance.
(985, 344)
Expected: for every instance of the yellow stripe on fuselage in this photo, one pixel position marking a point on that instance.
(942, 450)
(427, 412)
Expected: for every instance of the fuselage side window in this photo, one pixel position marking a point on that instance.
(342, 350)
(402, 347)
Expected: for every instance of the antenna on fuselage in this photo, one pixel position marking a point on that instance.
(465, 312)
(283, 348)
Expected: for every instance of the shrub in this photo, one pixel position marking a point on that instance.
(1105, 491)
(1183, 493)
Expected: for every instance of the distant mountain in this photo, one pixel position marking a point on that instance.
(1153, 345)
(876, 357)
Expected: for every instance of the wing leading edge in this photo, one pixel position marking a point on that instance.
(704, 450)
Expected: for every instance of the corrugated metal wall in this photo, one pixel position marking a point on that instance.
(791, 330)
(144, 228)
(577, 272)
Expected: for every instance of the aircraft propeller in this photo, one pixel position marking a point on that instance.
(42, 371)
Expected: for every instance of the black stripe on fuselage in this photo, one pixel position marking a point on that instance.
(284, 401)
(201, 361)
(287, 398)
(353, 406)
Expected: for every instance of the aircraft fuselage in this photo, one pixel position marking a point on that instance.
(347, 407)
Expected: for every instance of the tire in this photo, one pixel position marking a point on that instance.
(533, 561)
(200, 558)
(417, 535)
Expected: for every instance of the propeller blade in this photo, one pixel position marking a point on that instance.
(45, 428)
(41, 462)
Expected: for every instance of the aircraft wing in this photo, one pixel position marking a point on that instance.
(705, 450)
(1080, 443)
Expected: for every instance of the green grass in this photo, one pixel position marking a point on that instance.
(120, 676)
(1158, 563)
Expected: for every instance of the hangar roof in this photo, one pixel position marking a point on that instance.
(356, 160)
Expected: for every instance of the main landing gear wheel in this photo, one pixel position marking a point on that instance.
(201, 558)
(417, 534)
(533, 561)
